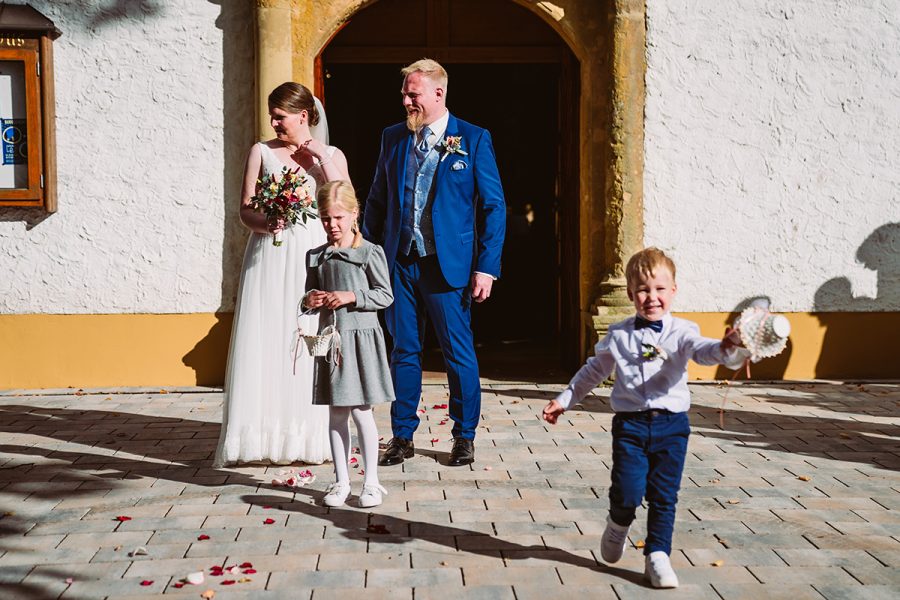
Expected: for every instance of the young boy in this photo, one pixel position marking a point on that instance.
(649, 353)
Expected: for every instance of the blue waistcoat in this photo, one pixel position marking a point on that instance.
(418, 201)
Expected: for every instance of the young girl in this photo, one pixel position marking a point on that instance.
(347, 282)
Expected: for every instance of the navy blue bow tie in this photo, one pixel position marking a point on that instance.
(641, 323)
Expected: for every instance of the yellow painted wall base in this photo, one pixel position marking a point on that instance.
(54, 351)
(822, 346)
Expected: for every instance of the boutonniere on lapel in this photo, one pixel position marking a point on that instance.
(452, 144)
(649, 352)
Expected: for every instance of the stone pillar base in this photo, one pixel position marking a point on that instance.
(611, 306)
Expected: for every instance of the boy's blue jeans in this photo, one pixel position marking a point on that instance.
(649, 449)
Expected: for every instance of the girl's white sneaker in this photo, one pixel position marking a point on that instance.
(658, 570)
(336, 494)
(371, 495)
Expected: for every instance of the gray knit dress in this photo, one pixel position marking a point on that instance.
(362, 376)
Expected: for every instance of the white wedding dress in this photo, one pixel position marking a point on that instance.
(268, 413)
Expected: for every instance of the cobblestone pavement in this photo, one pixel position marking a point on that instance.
(795, 495)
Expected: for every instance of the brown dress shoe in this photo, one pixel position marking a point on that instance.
(398, 450)
(463, 452)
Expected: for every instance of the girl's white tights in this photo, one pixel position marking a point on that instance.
(339, 435)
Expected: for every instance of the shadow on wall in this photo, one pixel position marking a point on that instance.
(865, 346)
(209, 356)
(766, 370)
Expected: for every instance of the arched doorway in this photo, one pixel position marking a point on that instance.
(511, 73)
(608, 39)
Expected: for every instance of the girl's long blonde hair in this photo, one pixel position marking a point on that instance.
(341, 193)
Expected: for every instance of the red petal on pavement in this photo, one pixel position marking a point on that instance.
(146, 582)
(435, 440)
(267, 507)
(439, 406)
(249, 571)
(178, 585)
(123, 518)
(228, 582)
(269, 521)
(246, 565)
(202, 537)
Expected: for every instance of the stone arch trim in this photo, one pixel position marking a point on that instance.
(608, 37)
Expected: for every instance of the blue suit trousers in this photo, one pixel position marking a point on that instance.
(422, 294)
(649, 450)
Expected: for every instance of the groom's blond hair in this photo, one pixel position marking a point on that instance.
(430, 69)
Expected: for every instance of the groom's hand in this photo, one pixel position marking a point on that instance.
(481, 287)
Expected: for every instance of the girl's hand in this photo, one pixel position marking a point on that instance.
(315, 299)
(335, 300)
(552, 411)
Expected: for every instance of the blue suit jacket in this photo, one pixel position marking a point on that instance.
(469, 212)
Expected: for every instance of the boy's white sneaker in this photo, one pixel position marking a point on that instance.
(658, 570)
(612, 544)
(336, 494)
(371, 495)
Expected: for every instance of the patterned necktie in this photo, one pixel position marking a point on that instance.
(641, 323)
(422, 147)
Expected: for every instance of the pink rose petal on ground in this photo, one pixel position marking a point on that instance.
(354, 461)
(306, 473)
(123, 518)
(435, 440)
(195, 578)
(439, 406)
(234, 570)
(355, 451)
(146, 582)
(228, 582)
(178, 585)
(69, 580)
(421, 410)
(488, 468)
(362, 471)
(277, 482)
(249, 571)
(290, 482)
(269, 521)
(202, 537)
(246, 565)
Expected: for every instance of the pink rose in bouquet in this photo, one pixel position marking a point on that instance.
(286, 196)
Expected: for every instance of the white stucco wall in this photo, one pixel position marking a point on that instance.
(772, 145)
(772, 131)
(155, 109)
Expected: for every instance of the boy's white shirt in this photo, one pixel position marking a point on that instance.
(643, 384)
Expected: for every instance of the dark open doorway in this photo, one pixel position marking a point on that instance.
(526, 326)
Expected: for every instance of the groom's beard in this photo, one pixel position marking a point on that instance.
(414, 120)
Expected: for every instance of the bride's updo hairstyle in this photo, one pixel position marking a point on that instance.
(294, 97)
(340, 193)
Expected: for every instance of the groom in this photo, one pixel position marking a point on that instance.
(437, 207)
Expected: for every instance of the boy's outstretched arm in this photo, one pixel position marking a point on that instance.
(595, 370)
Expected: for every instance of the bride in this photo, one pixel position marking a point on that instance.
(268, 413)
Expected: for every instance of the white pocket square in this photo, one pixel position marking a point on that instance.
(459, 165)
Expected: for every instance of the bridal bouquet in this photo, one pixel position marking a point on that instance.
(286, 196)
